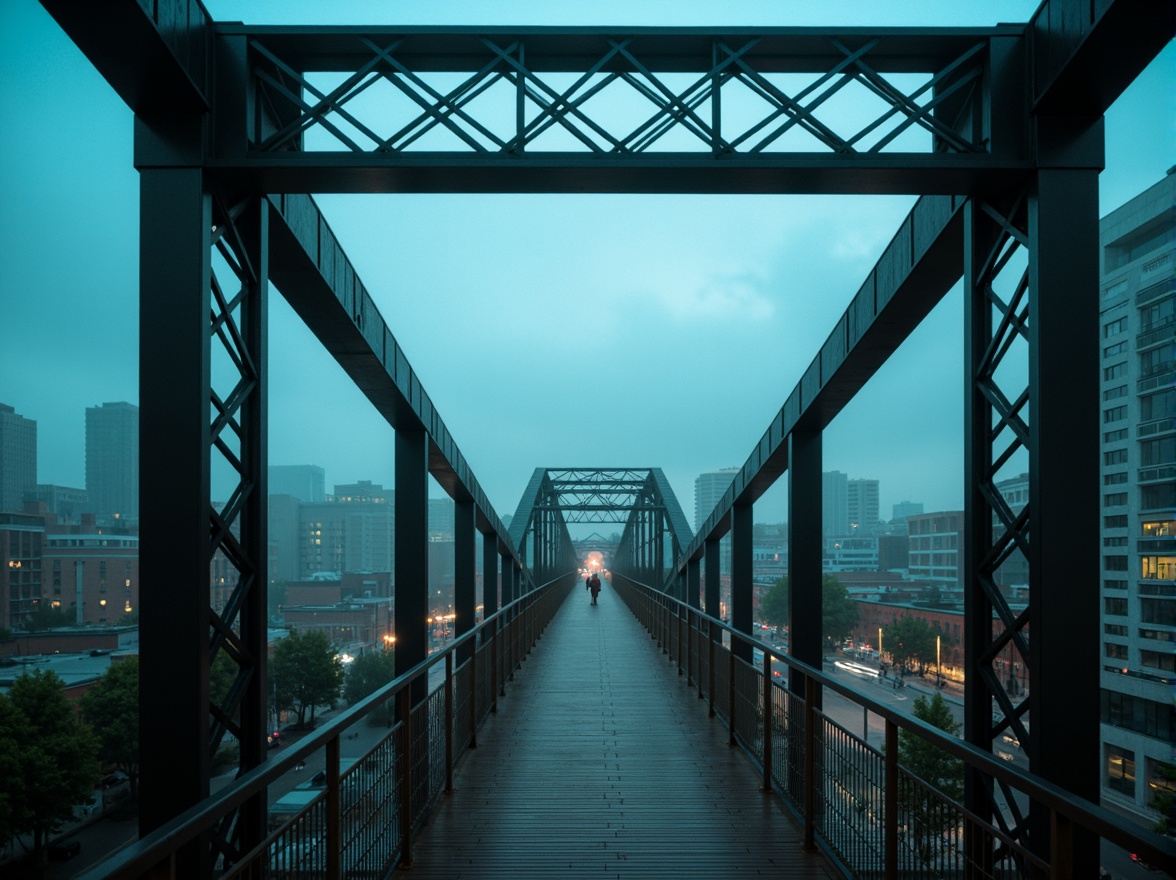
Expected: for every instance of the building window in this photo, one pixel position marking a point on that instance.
(1115, 479)
(1158, 567)
(1115, 436)
(1112, 350)
(1158, 528)
(1115, 499)
(1115, 522)
(1115, 456)
(1115, 652)
(1115, 563)
(1115, 371)
(1120, 770)
(1158, 360)
(1114, 585)
(1158, 406)
(1157, 635)
(1162, 450)
(1159, 611)
(1161, 496)
(1115, 542)
(1115, 393)
(1114, 606)
(1165, 661)
(1114, 328)
(1139, 714)
(1114, 629)
(1157, 314)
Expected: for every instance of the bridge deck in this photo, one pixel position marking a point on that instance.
(601, 763)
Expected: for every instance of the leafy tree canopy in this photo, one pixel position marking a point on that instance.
(111, 708)
(365, 676)
(47, 617)
(838, 611)
(55, 756)
(306, 672)
(911, 642)
(928, 820)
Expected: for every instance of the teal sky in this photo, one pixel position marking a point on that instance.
(549, 330)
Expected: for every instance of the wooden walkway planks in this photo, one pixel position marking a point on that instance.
(601, 763)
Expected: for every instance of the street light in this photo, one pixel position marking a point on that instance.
(879, 644)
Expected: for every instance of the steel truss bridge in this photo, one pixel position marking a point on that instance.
(1000, 132)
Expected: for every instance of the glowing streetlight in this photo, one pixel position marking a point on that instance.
(938, 679)
(879, 644)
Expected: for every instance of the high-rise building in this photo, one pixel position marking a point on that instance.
(709, 489)
(905, 509)
(64, 502)
(18, 458)
(306, 482)
(112, 461)
(834, 503)
(353, 531)
(1138, 484)
(862, 506)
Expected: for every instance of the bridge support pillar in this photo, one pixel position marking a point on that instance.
(412, 557)
(742, 523)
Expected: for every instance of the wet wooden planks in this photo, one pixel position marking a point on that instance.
(601, 763)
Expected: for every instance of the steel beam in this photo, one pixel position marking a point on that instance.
(175, 211)
(411, 537)
(712, 575)
(742, 546)
(465, 572)
(805, 627)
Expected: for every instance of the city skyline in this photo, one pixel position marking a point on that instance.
(653, 288)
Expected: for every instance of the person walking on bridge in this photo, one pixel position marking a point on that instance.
(594, 586)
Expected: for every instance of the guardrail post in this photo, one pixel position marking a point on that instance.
(474, 696)
(890, 804)
(404, 706)
(810, 763)
(334, 828)
(1061, 846)
(731, 694)
(768, 713)
(711, 668)
(690, 649)
(449, 688)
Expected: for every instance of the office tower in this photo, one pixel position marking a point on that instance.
(306, 482)
(1138, 485)
(18, 458)
(834, 503)
(709, 489)
(112, 461)
(862, 505)
(904, 509)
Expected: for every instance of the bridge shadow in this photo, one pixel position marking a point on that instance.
(601, 763)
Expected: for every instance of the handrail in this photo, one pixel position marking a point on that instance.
(144, 854)
(1155, 848)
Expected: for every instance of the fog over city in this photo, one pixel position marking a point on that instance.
(549, 330)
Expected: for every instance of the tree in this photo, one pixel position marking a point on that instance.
(365, 676)
(911, 642)
(56, 757)
(47, 617)
(306, 672)
(838, 611)
(111, 708)
(774, 604)
(925, 817)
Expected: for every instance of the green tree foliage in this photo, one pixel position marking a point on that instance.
(1164, 799)
(306, 672)
(47, 617)
(838, 611)
(365, 676)
(111, 708)
(52, 757)
(911, 642)
(926, 816)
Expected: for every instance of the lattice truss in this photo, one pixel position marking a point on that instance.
(748, 101)
(235, 385)
(597, 496)
(1002, 379)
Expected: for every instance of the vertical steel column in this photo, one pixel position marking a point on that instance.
(742, 524)
(1064, 405)
(465, 571)
(411, 537)
(712, 561)
(693, 585)
(805, 636)
(489, 574)
(175, 221)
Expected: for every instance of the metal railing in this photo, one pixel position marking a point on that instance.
(873, 816)
(362, 823)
